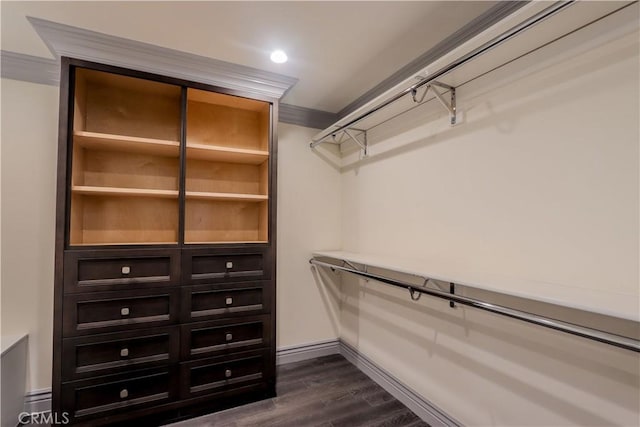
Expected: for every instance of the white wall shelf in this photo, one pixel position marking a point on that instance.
(594, 301)
(523, 32)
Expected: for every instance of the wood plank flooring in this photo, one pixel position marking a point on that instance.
(325, 392)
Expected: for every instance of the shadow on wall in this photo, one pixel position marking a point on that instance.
(545, 352)
(330, 291)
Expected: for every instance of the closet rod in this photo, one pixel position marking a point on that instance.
(581, 331)
(523, 26)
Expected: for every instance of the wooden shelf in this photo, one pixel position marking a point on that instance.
(200, 195)
(127, 192)
(124, 243)
(226, 154)
(226, 242)
(133, 144)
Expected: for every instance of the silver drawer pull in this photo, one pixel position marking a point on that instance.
(124, 393)
(229, 301)
(124, 352)
(126, 269)
(229, 337)
(229, 265)
(124, 311)
(227, 373)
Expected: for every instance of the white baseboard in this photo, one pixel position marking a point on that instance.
(412, 400)
(296, 353)
(40, 400)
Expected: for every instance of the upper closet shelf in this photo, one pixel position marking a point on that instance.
(522, 32)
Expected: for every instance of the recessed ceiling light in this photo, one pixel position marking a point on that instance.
(278, 56)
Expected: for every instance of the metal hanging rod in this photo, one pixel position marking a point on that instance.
(496, 41)
(581, 331)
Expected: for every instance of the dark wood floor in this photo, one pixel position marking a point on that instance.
(328, 392)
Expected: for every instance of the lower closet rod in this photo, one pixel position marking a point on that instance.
(582, 331)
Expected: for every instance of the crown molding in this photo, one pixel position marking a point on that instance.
(67, 40)
(307, 117)
(471, 29)
(18, 66)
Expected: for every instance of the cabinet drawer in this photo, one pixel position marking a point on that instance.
(112, 353)
(113, 311)
(105, 395)
(202, 266)
(215, 338)
(215, 301)
(120, 270)
(219, 374)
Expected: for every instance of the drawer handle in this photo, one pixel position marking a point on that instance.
(126, 269)
(227, 373)
(124, 352)
(229, 265)
(124, 393)
(124, 311)
(229, 301)
(229, 337)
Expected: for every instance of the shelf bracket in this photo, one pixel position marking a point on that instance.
(449, 106)
(355, 137)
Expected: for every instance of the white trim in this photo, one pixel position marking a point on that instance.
(297, 353)
(66, 40)
(420, 406)
(27, 68)
(38, 401)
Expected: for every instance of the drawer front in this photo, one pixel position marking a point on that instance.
(105, 395)
(218, 375)
(235, 265)
(114, 311)
(118, 352)
(121, 270)
(216, 338)
(217, 301)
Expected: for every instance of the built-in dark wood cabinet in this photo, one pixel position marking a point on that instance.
(165, 247)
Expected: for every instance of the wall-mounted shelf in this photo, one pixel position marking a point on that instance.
(605, 303)
(523, 32)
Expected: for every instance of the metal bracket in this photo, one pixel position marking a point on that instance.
(413, 293)
(364, 145)
(450, 107)
(452, 291)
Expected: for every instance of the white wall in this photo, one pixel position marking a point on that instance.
(540, 182)
(308, 218)
(29, 152)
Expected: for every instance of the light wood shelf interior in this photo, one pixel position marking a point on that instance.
(126, 144)
(227, 121)
(121, 105)
(226, 154)
(105, 219)
(191, 195)
(208, 221)
(127, 192)
(227, 179)
(125, 164)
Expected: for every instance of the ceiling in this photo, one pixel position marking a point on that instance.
(337, 50)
